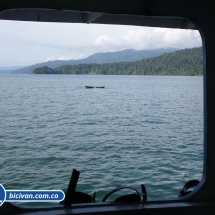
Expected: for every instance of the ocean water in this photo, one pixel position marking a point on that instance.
(137, 130)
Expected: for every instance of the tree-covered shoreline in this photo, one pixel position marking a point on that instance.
(186, 62)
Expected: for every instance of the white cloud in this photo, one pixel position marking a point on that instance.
(106, 43)
(182, 38)
(33, 42)
(105, 40)
(139, 39)
(64, 58)
(51, 58)
(151, 38)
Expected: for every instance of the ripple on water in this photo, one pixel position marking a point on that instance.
(139, 130)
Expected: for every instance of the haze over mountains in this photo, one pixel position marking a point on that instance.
(9, 69)
(127, 55)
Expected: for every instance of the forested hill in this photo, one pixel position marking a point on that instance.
(127, 55)
(183, 62)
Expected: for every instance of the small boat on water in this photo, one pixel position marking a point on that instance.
(94, 86)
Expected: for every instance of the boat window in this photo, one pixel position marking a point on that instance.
(123, 105)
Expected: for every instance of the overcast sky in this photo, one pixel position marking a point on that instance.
(27, 43)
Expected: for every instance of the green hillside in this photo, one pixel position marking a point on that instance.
(184, 62)
(44, 70)
(127, 55)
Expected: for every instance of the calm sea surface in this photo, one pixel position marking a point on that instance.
(138, 129)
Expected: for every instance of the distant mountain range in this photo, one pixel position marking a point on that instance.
(9, 69)
(185, 62)
(127, 55)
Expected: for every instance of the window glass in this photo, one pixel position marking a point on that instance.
(143, 125)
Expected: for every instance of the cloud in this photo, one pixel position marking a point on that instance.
(148, 38)
(151, 38)
(139, 39)
(32, 40)
(65, 58)
(136, 38)
(51, 59)
(106, 43)
(182, 38)
(105, 40)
